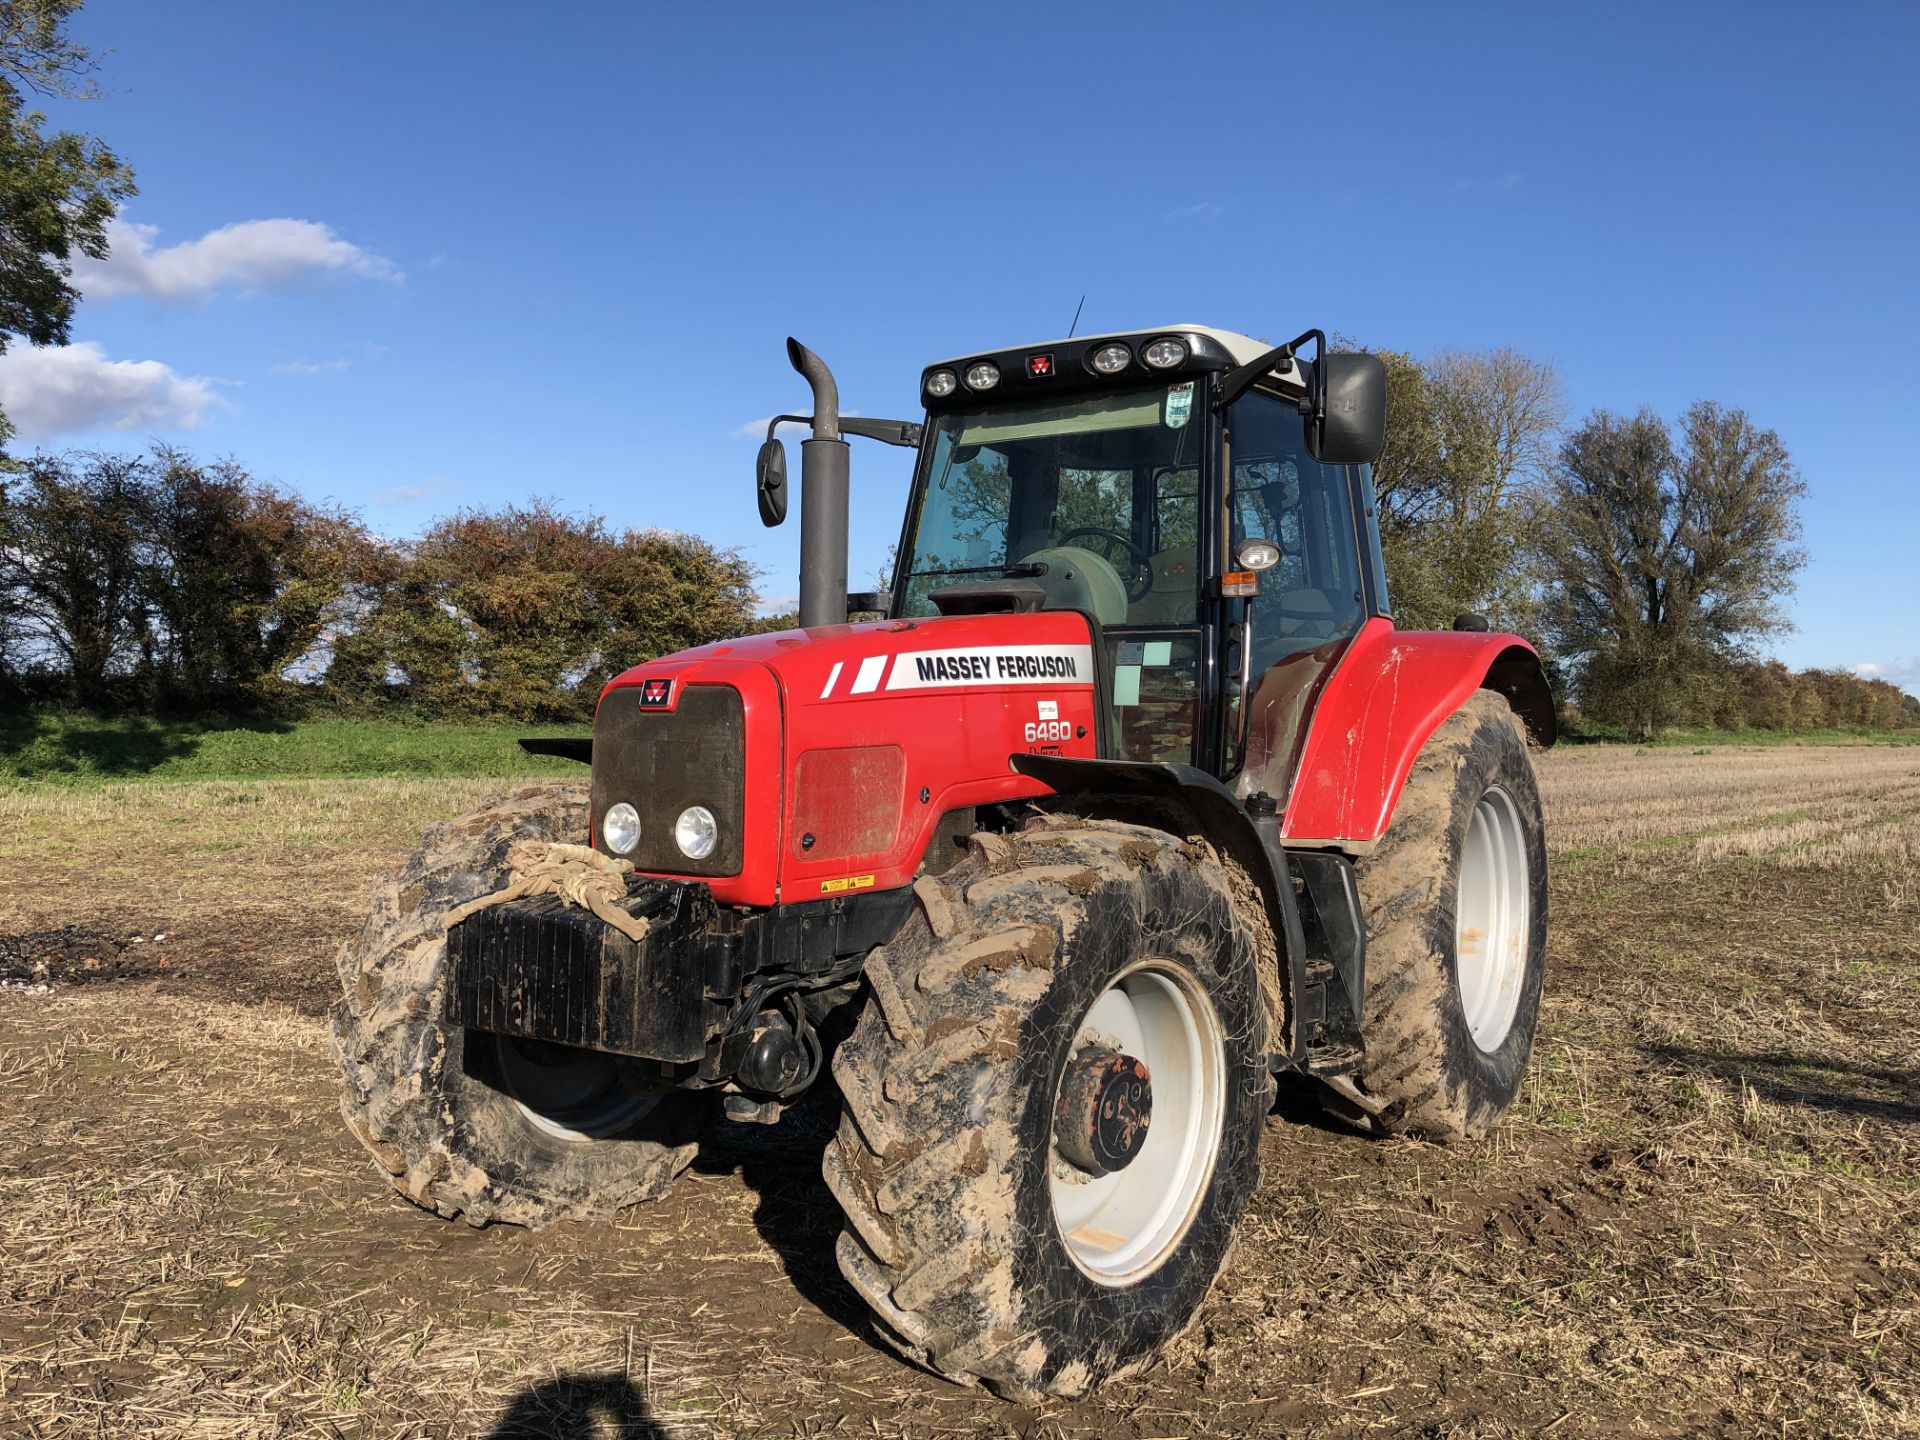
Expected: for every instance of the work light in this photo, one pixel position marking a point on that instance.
(1111, 359)
(1165, 353)
(941, 383)
(983, 376)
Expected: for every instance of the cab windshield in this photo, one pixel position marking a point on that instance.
(1108, 484)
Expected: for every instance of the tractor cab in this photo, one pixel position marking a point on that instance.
(1168, 486)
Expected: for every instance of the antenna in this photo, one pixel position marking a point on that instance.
(1076, 317)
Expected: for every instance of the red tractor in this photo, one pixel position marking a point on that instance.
(1133, 799)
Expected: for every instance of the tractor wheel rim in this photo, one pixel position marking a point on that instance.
(1121, 1227)
(1492, 920)
(570, 1094)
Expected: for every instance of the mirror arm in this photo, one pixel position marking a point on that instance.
(1243, 378)
(887, 432)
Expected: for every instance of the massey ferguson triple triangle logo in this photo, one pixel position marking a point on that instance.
(654, 694)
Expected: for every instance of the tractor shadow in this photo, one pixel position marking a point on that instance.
(1833, 1085)
(579, 1407)
(794, 1212)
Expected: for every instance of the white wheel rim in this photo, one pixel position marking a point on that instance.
(572, 1095)
(1121, 1227)
(1492, 920)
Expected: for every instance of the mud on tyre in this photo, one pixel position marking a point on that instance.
(1041, 963)
(1456, 901)
(475, 1125)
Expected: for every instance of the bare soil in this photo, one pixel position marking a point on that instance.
(1702, 1216)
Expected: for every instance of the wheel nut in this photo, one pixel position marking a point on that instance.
(1106, 1100)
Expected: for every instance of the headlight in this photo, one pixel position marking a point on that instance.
(620, 828)
(983, 376)
(1112, 359)
(940, 384)
(1165, 354)
(695, 832)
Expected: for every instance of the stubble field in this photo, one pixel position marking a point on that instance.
(1702, 1217)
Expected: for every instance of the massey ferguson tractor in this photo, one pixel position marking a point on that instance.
(1131, 799)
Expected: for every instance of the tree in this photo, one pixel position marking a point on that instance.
(188, 584)
(1661, 562)
(58, 189)
(1469, 434)
(527, 611)
(71, 566)
(240, 580)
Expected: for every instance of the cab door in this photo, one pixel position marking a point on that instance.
(1279, 645)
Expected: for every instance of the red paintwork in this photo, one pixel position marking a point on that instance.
(956, 738)
(1391, 690)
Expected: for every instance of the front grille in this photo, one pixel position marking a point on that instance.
(662, 761)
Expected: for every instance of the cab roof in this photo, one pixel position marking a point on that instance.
(1243, 348)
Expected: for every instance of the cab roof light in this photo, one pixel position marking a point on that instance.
(1166, 353)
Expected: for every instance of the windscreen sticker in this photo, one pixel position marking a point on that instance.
(1126, 684)
(990, 665)
(1179, 406)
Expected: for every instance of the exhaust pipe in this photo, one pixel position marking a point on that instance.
(823, 498)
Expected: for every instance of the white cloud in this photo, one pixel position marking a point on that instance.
(779, 604)
(310, 367)
(1192, 212)
(1905, 674)
(250, 255)
(413, 494)
(62, 389)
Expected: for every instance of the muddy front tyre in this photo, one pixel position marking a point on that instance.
(1069, 1000)
(1456, 901)
(476, 1125)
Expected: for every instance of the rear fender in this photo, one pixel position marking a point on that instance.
(1184, 801)
(1391, 691)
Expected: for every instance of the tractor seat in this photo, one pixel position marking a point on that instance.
(1173, 598)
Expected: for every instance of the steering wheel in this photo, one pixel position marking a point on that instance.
(1139, 564)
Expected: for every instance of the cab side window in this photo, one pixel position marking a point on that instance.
(1280, 493)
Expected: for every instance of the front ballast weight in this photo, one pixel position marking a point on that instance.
(707, 997)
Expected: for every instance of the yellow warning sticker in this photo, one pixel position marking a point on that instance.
(845, 883)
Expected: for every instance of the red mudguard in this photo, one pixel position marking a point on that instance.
(1390, 692)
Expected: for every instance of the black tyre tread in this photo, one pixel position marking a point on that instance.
(397, 1057)
(930, 1212)
(1406, 1064)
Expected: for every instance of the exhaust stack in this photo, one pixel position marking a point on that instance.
(823, 498)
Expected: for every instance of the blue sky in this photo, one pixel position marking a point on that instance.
(555, 250)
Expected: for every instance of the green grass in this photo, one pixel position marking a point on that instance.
(82, 749)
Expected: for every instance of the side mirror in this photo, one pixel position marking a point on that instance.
(1348, 421)
(770, 482)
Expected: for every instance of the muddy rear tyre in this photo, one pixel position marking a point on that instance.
(982, 1250)
(1456, 901)
(474, 1125)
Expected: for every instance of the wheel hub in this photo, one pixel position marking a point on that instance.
(1106, 1102)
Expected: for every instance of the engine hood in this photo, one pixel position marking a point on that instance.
(859, 738)
(883, 657)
